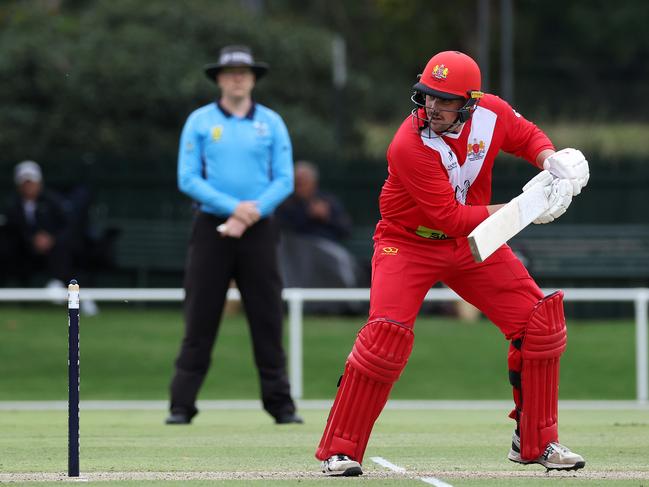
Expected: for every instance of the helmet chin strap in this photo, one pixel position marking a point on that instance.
(463, 114)
(425, 124)
(453, 128)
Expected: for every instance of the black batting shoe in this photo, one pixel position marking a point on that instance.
(178, 418)
(290, 418)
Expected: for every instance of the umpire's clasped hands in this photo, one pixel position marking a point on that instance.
(245, 215)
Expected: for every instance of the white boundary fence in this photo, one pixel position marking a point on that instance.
(296, 298)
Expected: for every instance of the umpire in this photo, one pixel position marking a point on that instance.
(235, 162)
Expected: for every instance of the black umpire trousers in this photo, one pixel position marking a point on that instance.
(212, 261)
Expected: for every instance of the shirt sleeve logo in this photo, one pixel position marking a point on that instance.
(216, 133)
(390, 251)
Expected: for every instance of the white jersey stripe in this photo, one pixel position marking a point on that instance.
(461, 177)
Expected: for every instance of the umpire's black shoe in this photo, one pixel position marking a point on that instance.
(288, 418)
(178, 418)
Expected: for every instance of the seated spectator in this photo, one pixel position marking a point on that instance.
(310, 211)
(313, 222)
(38, 234)
(36, 228)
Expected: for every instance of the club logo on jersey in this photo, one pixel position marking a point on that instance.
(261, 128)
(217, 132)
(475, 150)
(390, 251)
(440, 72)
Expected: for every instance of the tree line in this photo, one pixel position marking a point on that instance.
(92, 79)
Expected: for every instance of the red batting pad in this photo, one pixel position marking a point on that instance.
(379, 355)
(544, 342)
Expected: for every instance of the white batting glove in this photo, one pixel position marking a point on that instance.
(557, 191)
(559, 200)
(569, 164)
(544, 178)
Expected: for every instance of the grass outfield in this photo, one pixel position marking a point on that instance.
(461, 448)
(127, 352)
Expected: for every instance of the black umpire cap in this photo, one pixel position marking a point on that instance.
(236, 56)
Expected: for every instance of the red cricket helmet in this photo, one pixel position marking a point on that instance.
(450, 75)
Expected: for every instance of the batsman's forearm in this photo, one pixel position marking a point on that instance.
(494, 208)
(542, 156)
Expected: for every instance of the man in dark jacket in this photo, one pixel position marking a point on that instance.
(35, 230)
(310, 211)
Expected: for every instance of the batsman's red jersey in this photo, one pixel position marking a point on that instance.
(436, 193)
(444, 183)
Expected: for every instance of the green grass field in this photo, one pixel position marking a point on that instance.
(461, 448)
(127, 352)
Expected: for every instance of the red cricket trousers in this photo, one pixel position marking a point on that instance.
(405, 266)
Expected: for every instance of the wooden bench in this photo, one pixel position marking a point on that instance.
(588, 253)
(580, 254)
(360, 244)
(149, 247)
(611, 253)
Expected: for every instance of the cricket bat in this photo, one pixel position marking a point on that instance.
(499, 227)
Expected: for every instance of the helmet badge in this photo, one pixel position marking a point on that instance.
(440, 72)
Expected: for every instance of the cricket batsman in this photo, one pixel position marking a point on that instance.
(438, 190)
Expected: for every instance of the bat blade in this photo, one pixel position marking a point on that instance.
(499, 227)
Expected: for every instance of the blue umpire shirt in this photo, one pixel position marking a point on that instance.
(224, 159)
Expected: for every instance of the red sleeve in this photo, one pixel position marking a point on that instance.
(421, 173)
(522, 137)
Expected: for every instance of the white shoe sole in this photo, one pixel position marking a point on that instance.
(515, 457)
(345, 469)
